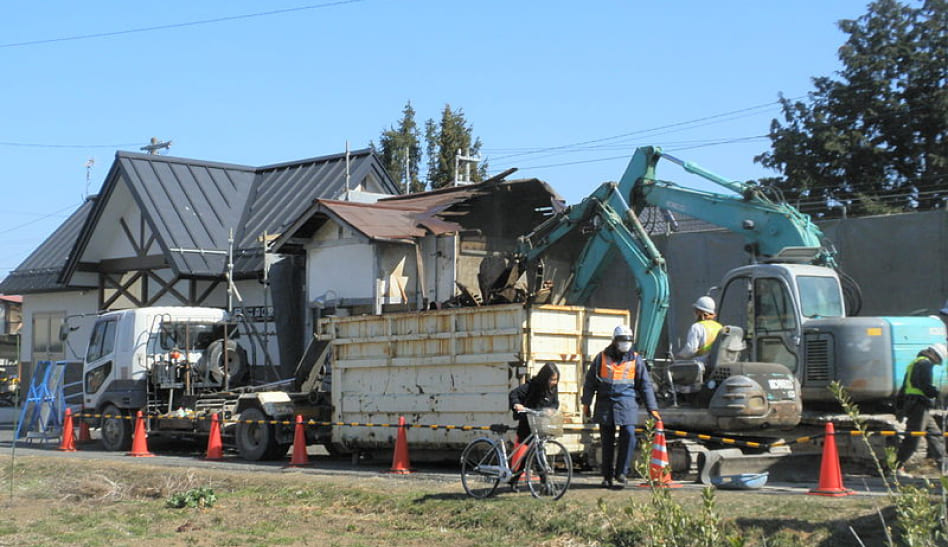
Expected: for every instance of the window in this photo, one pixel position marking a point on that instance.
(102, 342)
(46, 343)
(734, 303)
(96, 376)
(773, 308)
(820, 297)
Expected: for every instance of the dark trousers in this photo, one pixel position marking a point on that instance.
(623, 459)
(919, 419)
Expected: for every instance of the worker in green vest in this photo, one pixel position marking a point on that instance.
(918, 393)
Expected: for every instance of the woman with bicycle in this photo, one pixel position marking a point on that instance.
(540, 393)
(616, 375)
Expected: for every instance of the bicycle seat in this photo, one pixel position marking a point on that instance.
(499, 428)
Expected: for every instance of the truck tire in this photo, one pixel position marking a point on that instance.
(213, 362)
(256, 439)
(116, 430)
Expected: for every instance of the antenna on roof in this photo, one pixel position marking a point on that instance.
(89, 165)
(155, 146)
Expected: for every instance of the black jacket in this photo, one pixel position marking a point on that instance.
(534, 397)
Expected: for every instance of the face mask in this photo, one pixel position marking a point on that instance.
(624, 347)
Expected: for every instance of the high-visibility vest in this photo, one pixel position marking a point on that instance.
(711, 330)
(612, 372)
(907, 384)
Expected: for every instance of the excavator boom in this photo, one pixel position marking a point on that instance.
(771, 228)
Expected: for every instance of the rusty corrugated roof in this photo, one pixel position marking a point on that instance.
(435, 212)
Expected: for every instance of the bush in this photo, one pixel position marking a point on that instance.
(201, 498)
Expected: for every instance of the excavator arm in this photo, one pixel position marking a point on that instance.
(616, 230)
(772, 229)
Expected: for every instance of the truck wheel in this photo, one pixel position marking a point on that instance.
(255, 438)
(116, 430)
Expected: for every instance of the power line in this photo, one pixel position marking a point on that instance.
(693, 122)
(178, 25)
(44, 217)
(46, 145)
(626, 156)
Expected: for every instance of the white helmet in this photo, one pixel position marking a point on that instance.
(622, 333)
(940, 350)
(705, 304)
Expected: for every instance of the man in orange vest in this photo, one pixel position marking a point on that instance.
(702, 333)
(616, 376)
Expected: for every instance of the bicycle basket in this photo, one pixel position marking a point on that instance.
(546, 426)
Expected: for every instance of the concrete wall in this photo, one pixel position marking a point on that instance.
(900, 262)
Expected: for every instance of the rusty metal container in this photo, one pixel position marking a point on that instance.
(455, 368)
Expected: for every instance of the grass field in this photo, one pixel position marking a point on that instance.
(52, 501)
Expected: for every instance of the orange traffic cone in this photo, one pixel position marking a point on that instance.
(659, 469)
(139, 439)
(215, 447)
(68, 443)
(84, 435)
(300, 457)
(400, 463)
(831, 478)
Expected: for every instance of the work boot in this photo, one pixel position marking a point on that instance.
(621, 481)
(607, 482)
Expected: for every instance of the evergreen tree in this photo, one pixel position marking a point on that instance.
(443, 141)
(399, 144)
(875, 139)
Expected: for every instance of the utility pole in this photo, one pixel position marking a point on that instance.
(407, 171)
(155, 146)
(467, 159)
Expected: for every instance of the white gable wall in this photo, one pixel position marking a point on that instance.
(109, 239)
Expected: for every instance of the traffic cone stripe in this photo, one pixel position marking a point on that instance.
(659, 474)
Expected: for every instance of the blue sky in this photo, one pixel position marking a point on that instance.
(565, 91)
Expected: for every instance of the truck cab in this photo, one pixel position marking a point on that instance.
(137, 358)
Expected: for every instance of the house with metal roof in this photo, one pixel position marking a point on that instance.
(414, 251)
(176, 231)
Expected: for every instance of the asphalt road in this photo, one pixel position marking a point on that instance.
(176, 453)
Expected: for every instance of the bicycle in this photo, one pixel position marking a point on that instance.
(547, 467)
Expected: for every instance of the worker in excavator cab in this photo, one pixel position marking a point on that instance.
(615, 378)
(702, 333)
(915, 399)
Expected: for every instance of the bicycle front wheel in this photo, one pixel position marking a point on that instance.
(480, 468)
(549, 470)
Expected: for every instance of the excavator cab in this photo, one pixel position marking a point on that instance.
(689, 376)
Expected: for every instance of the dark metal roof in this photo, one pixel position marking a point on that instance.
(40, 270)
(193, 205)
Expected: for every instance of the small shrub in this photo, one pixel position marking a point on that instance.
(201, 498)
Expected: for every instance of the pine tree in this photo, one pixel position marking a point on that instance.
(443, 141)
(399, 144)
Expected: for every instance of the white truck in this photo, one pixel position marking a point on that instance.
(454, 367)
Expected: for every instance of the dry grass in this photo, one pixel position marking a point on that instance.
(92, 503)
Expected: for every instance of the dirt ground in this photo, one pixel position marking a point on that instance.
(49, 500)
